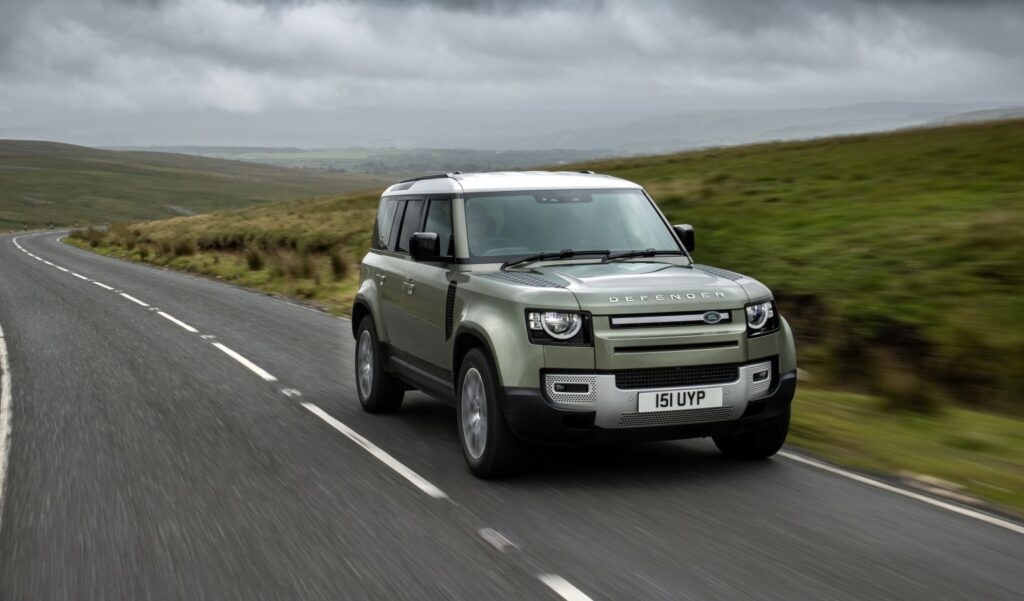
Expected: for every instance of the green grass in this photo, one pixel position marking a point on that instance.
(44, 184)
(896, 257)
(981, 453)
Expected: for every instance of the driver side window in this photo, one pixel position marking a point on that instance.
(439, 221)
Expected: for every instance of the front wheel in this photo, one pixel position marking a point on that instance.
(490, 448)
(379, 392)
(759, 443)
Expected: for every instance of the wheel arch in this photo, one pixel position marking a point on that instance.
(466, 338)
(360, 309)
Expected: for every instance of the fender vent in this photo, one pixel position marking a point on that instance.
(522, 277)
(449, 310)
(722, 273)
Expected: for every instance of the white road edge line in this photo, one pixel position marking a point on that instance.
(971, 513)
(563, 587)
(177, 321)
(5, 419)
(418, 481)
(256, 369)
(133, 299)
(80, 276)
(61, 268)
(103, 286)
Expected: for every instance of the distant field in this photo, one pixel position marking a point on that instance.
(396, 163)
(45, 184)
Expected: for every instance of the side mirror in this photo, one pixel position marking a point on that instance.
(685, 234)
(425, 246)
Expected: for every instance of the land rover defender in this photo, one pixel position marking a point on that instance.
(564, 308)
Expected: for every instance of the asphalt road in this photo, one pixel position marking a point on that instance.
(147, 463)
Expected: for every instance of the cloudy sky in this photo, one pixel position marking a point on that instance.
(67, 59)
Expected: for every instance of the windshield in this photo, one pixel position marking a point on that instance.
(506, 225)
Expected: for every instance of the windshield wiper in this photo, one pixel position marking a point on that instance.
(650, 252)
(562, 254)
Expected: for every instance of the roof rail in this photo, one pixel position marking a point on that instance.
(422, 177)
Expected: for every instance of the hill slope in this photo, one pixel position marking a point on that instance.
(896, 256)
(47, 183)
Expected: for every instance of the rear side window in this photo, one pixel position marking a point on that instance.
(439, 221)
(410, 224)
(385, 219)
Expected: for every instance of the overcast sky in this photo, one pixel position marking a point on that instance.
(61, 58)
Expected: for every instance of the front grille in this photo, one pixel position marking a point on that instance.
(670, 418)
(665, 377)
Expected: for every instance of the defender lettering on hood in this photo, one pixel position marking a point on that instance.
(666, 297)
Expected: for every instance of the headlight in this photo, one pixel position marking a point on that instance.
(557, 327)
(761, 318)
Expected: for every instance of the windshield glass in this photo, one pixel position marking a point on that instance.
(506, 225)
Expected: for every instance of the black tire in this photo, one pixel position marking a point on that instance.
(759, 443)
(501, 454)
(385, 391)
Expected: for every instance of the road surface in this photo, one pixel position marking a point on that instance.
(177, 438)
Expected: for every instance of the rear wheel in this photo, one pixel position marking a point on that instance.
(759, 443)
(379, 392)
(490, 448)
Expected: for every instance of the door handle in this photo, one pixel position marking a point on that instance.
(380, 277)
(409, 286)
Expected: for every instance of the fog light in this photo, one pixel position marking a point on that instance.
(761, 376)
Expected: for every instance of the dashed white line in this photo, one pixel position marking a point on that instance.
(61, 268)
(978, 515)
(497, 540)
(80, 276)
(5, 418)
(563, 587)
(133, 299)
(418, 481)
(256, 369)
(177, 321)
(103, 285)
(49, 263)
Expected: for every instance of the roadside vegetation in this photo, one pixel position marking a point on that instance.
(895, 256)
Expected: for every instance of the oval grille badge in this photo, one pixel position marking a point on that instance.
(712, 317)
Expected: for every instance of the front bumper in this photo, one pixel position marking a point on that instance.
(610, 414)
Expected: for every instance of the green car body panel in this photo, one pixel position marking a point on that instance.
(429, 312)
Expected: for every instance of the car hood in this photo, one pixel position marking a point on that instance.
(649, 287)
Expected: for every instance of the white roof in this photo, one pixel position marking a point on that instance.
(510, 180)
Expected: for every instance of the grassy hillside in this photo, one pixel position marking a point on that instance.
(895, 256)
(46, 183)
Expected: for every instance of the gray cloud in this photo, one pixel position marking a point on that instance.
(61, 58)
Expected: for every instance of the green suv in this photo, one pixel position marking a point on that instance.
(563, 308)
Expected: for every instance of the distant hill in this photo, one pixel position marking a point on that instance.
(999, 114)
(46, 184)
(706, 128)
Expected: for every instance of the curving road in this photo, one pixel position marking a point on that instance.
(177, 438)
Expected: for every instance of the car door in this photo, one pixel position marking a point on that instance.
(396, 282)
(388, 268)
(427, 291)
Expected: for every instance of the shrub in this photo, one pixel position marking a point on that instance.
(254, 259)
(184, 247)
(339, 266)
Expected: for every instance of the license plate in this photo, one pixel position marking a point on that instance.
(675, 400)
